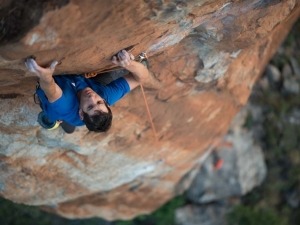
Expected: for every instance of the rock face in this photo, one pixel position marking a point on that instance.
(243, 166)
(211, 214)
(215, 190)
(207, 54)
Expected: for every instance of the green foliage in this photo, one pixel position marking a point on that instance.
(18, 214)
(14, 214)
(165, 215)
(243, 215)
(249, 121)
(162, 216)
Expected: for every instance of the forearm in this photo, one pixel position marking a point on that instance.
(139, 72)
(47, 84)
(143, 75)
(51, 89)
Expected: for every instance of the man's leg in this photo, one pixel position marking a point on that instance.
(68, 128)
(46, 123)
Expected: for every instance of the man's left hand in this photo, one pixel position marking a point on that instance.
(39, 71)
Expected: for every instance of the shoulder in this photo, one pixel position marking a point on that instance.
(115, 90)
(131, 81)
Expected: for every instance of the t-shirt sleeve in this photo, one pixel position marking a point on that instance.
(59, 108)
(115, 90)
(61, 105)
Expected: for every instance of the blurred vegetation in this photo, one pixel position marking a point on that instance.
(19, 214)
(271, 202)
(243, 215)
(14, 214)
(163, 216)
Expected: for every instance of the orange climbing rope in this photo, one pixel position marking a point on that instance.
(140, 59)
(149, 113)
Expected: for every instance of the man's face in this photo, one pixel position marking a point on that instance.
(91, 103)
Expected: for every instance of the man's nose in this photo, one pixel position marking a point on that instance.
(93, 100)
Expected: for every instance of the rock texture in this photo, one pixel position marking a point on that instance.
(207, 54)
(269, 122)
(215, 191)
(243, 166)
(210, 214)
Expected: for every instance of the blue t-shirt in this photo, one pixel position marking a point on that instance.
(66, 108)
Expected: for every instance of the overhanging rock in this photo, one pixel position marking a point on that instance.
(207, 55)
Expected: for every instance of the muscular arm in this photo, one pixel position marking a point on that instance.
(142, 75)
(45, 75)
(139, 74)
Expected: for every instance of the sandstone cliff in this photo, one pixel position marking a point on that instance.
(207, 55)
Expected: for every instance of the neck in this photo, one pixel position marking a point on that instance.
(79, 94)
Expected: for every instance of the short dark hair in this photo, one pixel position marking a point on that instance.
(99, 122)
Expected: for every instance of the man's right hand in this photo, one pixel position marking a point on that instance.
(47, 83)
(39, 71)
(139, 72)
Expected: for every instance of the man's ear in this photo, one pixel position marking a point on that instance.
(81, 114)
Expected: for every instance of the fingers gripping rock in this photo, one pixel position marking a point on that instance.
(39, 71)
(31, 65)
(28, 65)
(132, 56)
(123, 58)
(53, 65)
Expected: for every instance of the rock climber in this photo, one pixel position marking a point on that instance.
(73, 100)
